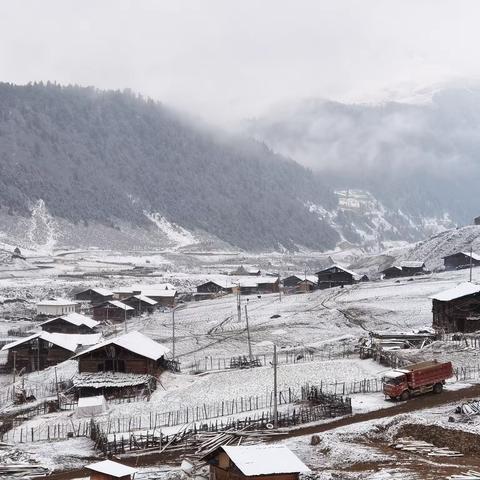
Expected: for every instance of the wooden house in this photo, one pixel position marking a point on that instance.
(121, 293)
(268, 284)
(39, 351)
(56, 306)
(247, 271)
(141, 303)
(476, 221)
(112, 311)
(94, 295)
(335, 276)
(256, 462)
(109, 470)
(459, 260)
(132, 352)
(300, 283)
(457, 309)
(214, 286)
(70, 323)
(410, 268)
(392, 272)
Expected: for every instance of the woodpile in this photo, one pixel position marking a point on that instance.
(469, 408)
(425, 448)
(470, 475)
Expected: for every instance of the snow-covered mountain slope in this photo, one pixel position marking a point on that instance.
(433, 250)
(360, 219)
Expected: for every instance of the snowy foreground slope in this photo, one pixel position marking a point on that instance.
(322, 324)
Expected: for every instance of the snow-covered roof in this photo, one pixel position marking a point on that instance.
(302, 278)
(335, 265)
(75, 319)
(118, 304)
(154, 292)
(475, 256)
(145, 299)
(135, 342)
(60, 340)
(81, 340)
(221, 283)
(253, 460)
(114, 469)
(461, 290)
(109, 379)
(91, 401)
(61, 302)
(411, 264)
(100, 291)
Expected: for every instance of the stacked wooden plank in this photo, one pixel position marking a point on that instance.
(469, 408)
(24, 470)
(418, 446)
(470, 475)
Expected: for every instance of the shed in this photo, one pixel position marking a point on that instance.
(457, 309)
(56, 306)
(460, 260)
(163, 296)
(335, 276)
(113, 311)
(70, 323)
(109, 470)
(94, 295)
(392, 272)
(132, 352)
(91, 406)
(269, 462)
(300, 283)
(141, 303)
(39, 351)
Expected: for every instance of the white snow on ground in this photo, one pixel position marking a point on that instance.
(175, 233)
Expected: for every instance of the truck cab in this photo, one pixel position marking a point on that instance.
(395, 384)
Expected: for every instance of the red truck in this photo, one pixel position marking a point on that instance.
(415, 379)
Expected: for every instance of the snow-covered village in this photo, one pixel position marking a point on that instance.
(239, 240)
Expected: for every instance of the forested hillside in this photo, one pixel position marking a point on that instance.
(108, 157)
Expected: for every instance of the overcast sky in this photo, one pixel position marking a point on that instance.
(226, 59)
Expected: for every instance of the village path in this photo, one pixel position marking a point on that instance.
(412, 405)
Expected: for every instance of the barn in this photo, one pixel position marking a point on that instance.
(392, 272)
(460, 260)
(132, 352)
(268, 284)
(335, 276)
(141, 303)
(457, 309)
(266, 462)
(94, 295)
(70, 323)
(215, 286)
(410, 268)
(112, 311)
(39, 351)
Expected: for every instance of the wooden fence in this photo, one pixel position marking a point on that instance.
(208, 364)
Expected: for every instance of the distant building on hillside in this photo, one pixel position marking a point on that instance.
(476, 221)
(94, 295)
(460, 260)
(300, 283)
(113, 311)
(266, 462)
(251, 271)
(404, 269)
(56, 306)
(457, 309)
(336, 276)
(74, 323)
(215, 286)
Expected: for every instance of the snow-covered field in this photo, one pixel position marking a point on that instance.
(319, 322)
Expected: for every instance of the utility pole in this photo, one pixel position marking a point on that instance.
(125, 319)
(173, 333)
(14, 366)
(248, 337)
(56, 387)
(239, 305)
(471, 261)
(279, 290)
(275, 392)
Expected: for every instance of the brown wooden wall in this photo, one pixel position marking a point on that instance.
(31, 359)
(453, 316)
(61, 326)
(114, 358)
